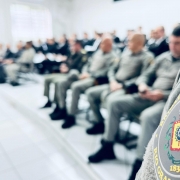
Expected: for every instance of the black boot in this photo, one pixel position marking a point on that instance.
(96, 129)
(135, 169)
(105, 153)
(14, 83)
(47, 105)
(59, 115)
(69, 122)
(57, 109)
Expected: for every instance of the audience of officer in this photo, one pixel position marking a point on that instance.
(148, 103)
(95, 69)
(105, 79)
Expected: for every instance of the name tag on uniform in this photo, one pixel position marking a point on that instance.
(166, 148)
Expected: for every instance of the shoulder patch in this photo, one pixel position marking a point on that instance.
(166, 147)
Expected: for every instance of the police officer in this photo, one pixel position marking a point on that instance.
(76, 61)
(23, 64)
(151, 168)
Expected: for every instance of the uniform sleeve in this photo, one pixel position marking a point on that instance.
(112, 71)
(149, 73)
(147, 171)
(148, 60)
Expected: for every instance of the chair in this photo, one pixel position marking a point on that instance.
(125, 137)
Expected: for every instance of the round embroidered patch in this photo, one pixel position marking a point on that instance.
(167, 145)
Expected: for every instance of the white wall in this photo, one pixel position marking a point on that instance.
(106, 15)
(77, 16)
(59, 10)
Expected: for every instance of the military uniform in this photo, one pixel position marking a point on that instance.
(75, 61)
(22, 64)
(125, 72)
(164, 71)
(151, 168)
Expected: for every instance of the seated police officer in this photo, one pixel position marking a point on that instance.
(97, 67)
(148, 170)
(76, 61)
(132, 63)
(22, 64)
(150, 100)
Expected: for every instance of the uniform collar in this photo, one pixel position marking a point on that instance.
(136, 54)
(172, 58)
(175, 59)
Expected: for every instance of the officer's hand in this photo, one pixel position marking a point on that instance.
(84, 76)
(8, 61)
(143, 88)
(63, 58)
(114, 86)
(155, 95)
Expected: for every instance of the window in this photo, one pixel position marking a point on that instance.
(30, 22)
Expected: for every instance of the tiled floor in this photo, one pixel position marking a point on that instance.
(35, 154)
(29, 152)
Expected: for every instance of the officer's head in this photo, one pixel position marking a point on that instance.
(62, 40)
(154, 34)
(160, 32)
(76, 46)
(136, 42)
(28, 45)
(19, 45)
(85, 35)
(174, 42)
(106, 43)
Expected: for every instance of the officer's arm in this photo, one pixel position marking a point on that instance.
(149, 74)
(148, 60)
(112, 71)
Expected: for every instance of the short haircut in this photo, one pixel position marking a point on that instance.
(176, 31)
(78, 42)
(30, 43)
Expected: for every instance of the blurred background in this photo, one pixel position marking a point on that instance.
(43, 38)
